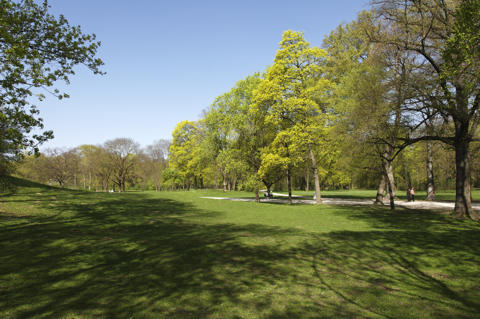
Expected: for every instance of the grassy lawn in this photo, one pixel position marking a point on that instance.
(74, 254)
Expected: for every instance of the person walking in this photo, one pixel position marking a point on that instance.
(409, 193)
(412, 192)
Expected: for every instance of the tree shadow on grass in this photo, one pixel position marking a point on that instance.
(411, 274)
(136, 256)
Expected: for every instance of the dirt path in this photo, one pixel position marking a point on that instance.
(339, 201)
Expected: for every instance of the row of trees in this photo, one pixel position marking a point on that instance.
(113, 165)
(407, 72)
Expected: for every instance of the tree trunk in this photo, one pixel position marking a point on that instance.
(391, 193)
(307, 179)
(257, 195)
(318, 199)
(289, 186)
(430, 182)
(463, 201)
(90, 180)
(388, 169)
(215, 173)
(381, 190)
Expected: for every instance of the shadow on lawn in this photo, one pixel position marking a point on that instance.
(132, 255)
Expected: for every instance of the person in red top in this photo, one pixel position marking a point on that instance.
(412, 192)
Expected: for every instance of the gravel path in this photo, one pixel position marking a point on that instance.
(338, 201)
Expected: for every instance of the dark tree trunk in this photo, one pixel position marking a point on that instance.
(429, 167)
(463, 201)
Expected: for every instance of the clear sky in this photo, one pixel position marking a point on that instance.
(166, 61)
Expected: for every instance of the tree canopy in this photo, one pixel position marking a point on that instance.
(36, 50)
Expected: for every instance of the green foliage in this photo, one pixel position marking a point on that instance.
(36, 50)
(462, 50)
(185, 151)
(237, 133)
(171, 177)
(296, 92)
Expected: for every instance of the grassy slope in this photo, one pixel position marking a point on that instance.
(75, 254)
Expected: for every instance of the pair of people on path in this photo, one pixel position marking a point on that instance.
(411, 194)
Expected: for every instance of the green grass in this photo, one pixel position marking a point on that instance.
(73, 254)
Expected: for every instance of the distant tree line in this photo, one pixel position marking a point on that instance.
(115, 165)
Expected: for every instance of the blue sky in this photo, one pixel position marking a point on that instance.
(166, 61)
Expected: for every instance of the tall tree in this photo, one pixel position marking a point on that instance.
(122, 156)
(372, 89)
(60, 164)
(443, 37)
(299, 91)
(157, 154)
(238, 128)
(185, 151)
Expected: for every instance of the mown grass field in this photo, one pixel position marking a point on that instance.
(73, 254)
